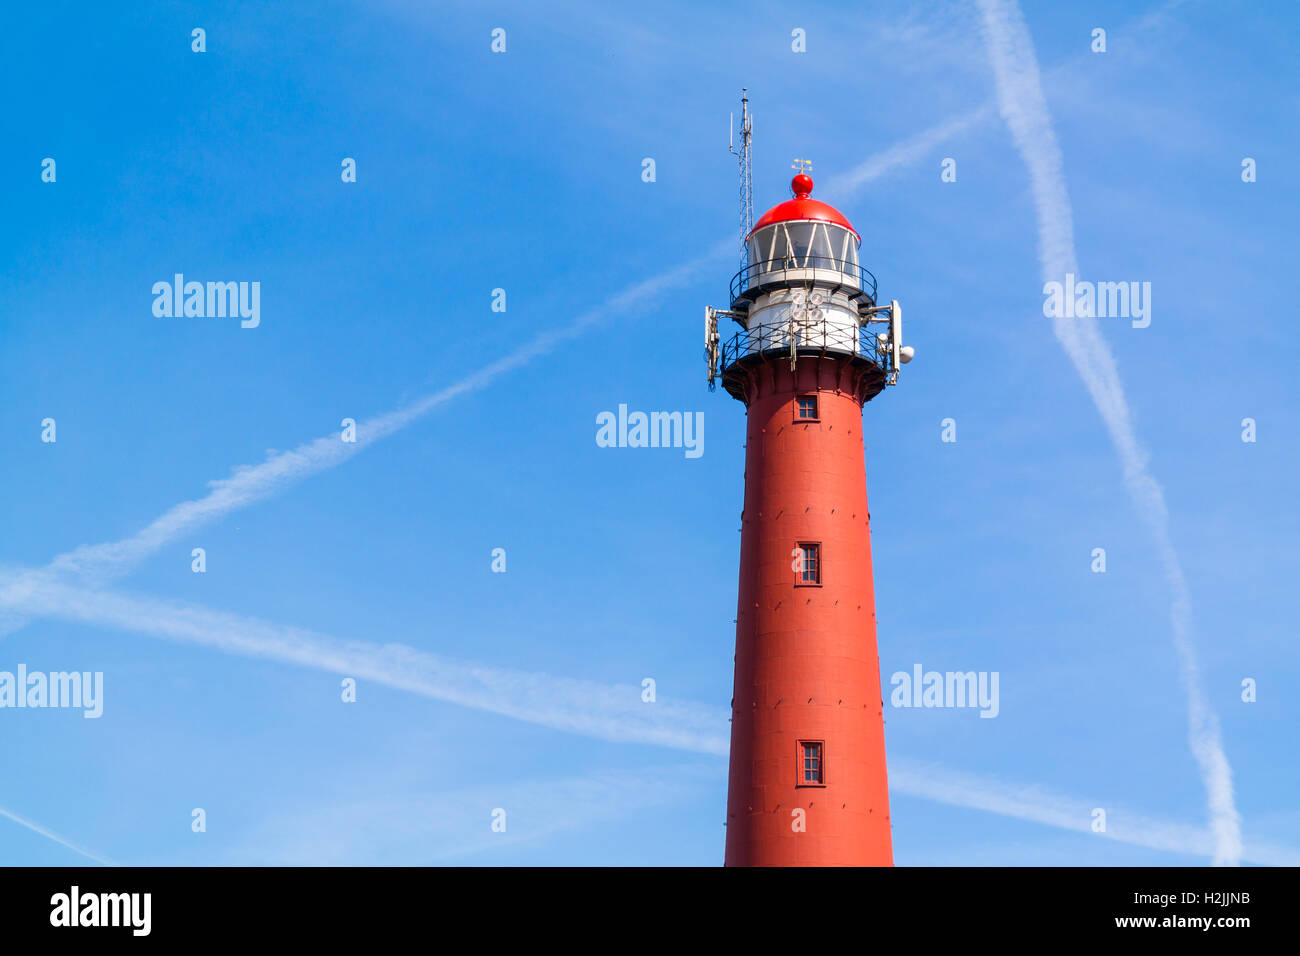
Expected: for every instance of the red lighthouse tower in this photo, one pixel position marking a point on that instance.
(807, 781)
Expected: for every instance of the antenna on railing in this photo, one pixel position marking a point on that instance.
(746, 171)
(711, 342)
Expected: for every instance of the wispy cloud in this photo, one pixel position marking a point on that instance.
(602, 711)
(251, 483)
(247, 484)
(909, 151)
(525, 696)
(1023, 107)
(597, 710)
(1035, 804)
(51, 835)
(420, 828)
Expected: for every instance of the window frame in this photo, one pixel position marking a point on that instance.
(805, 231)
(821, 252)
(799, 758)
(847, 265)
(803, 546)
(765, 244)
(771, 246)
(817, 407)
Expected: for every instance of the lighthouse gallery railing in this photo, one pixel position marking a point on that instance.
(835, 275)
(775, 340)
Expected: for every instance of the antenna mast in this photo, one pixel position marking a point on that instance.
(746, 172)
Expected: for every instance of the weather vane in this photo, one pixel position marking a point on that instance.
(803, 165)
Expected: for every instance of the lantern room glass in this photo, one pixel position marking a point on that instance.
(803, 245)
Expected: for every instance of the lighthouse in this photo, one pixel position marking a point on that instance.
(807, 784)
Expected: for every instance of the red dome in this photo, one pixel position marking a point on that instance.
(803, 208)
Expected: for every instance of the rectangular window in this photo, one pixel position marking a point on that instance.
(812, 771)
(810, 563)
(806, 408)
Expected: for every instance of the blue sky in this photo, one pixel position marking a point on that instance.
(522, 171)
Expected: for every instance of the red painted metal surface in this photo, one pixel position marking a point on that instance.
(802, 208)
(806, 660)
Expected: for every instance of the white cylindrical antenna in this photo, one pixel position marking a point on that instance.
(896, 331)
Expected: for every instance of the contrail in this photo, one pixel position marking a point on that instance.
(477, 686)
(602, 711)
(1037, 805)
(247, 484)
(388, 825)
(909, 150)
(607, 712)
(250, 483)
(51, 835)
(433, 677)
(1023, 107)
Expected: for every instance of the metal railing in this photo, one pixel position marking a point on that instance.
(837, 275)
(775, 341)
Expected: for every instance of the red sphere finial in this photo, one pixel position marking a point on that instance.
(802, 186)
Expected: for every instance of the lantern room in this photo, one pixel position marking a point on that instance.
(802, 291)
(803, 242)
